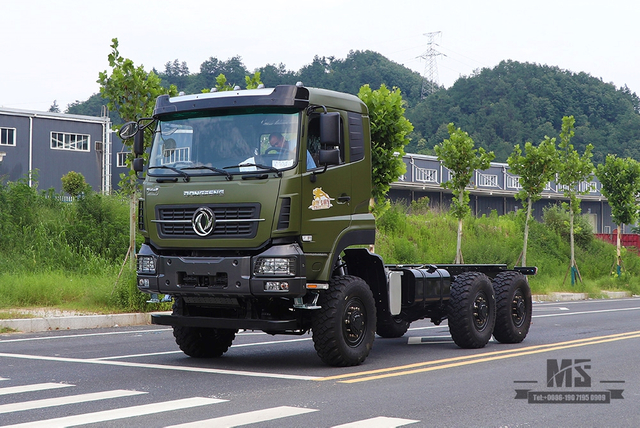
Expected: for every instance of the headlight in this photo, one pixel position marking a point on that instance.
(275, 266)
(146, 265)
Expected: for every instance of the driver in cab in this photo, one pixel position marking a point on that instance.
(277, 142)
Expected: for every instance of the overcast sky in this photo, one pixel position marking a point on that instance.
(54, 50)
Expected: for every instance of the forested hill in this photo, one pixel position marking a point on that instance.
(345, 75)
(518, 102)
(509, 104)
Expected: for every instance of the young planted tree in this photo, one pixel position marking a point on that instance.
(536, 168)
(620, 179)
(458, 155)
(574, 170)
(389, 130)
(131, 92)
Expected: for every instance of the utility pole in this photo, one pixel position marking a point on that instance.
(430, 75)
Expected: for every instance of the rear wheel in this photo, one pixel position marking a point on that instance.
(471, 312)
(201, 342)
(344, 327)
(513, 307)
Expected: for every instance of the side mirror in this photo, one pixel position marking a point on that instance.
(138, 143)
(326, 158)
(329, 157)
(128, 130)
(138, 164)
(330, 129)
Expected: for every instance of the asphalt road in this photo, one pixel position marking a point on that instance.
(138, 377)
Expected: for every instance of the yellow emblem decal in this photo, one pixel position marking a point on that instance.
(321, 200)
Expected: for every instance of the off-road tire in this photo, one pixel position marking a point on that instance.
(513, 307)
(389, 326)
(201, 342)
(344, 327)
(471, 312)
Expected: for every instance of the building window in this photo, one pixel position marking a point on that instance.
(425, 175)
(513, 182)
(7, 136)
(488, 180)
(588, 187)
(122, 159)
(64, 141)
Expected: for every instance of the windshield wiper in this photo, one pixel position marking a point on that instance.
(257, 165)
(184, 175)
(227, 174)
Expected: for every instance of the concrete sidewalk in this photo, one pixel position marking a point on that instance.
(53, 320)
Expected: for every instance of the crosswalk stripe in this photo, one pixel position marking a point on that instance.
(32, 388)
(115, 414)
(379, 422)
(60, 401)
(248, 417)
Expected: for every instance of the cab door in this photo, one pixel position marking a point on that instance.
(326, 197)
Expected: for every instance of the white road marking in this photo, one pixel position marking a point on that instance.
(115, 414)
(159, 366)
(150, 354)
(32, 388)
(428, 327)
(241, 345)
(61, 401)
(248, 417)
(73, 336)
(379, 422)
(601, 311)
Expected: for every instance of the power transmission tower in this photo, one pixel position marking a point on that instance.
(430, 76)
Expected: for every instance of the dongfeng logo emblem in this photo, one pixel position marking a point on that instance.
(203, 221)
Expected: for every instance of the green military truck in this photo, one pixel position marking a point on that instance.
(255, 216)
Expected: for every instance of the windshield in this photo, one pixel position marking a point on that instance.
(216, 144)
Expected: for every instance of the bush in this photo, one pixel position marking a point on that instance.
(74, 183)
(557, 218)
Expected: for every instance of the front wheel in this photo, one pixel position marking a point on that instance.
(513, 307)
(471, 312)
(344, 327)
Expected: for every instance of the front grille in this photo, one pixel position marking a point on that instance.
(232, 221)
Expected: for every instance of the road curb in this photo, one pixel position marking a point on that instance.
(75, 322)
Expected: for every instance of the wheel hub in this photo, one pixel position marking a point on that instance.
(480, 312)
(354, 323)
(518, 309)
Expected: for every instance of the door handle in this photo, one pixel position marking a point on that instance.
(343, 199)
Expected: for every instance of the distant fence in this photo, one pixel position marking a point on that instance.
(627, 240)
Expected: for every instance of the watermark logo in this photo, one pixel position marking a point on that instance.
(569, 381)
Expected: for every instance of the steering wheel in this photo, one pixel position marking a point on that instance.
(276, 150)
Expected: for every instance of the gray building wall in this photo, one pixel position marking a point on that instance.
(492, 189)
(33, 149)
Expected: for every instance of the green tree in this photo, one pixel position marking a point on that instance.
(55, 108)
(73, 183)
(389, 130)
(252, 82)
(573, 172)
(457, 153)
(131, 92)
(536, 168)
(620, 179)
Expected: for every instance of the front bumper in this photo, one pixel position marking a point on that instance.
(222, 276)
